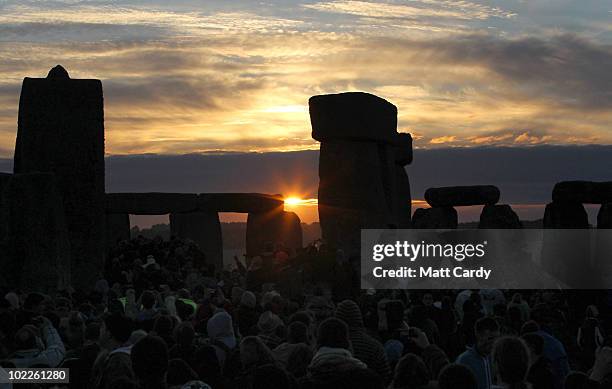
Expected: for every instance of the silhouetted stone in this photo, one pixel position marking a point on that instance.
(61, 130)
(402, 147)
(404, 198)
(239, 202)
(117, 229)
(58, 72)
(435, 218)
(165, 203)
(604, 216)
(204, 229)
(268, 229)
(586, 192)
(352, 116)
(38, 255)
(453, 196)
(499, 216)
(151, 203)
(356, 190)
(565, 215)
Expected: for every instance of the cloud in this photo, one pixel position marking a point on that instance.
(463, 10)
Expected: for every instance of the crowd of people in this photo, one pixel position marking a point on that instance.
(161, 317)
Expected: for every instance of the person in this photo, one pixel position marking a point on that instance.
(333, 355)
(540, 374)
(184, 347)
(365, 348)
(269, 324)
(221, 335)
(38, 345)
(410, 372)
(477, 357)
(590, 336)
(149, 358)
(553, 350)
(455, 376)
(297, 334)
(511, 363)
(114, 360)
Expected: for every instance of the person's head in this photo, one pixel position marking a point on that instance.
(592, 312)
(486, 330)
(253, 352)
(299, 359)
(248, 299)
(510, 361)
(163, 326)
(456, 376)
(530, 326)
(297, 333)
(220, 327)
(428, 299)
(269, 323)
(183, 310)
(410, 371)
(150, 361)
(34, 302)
(184, 334)
(348, 311)
(535, 343)
(147, 299)
(333, 333)
(27, 338)
(179, 373)
(115, 330)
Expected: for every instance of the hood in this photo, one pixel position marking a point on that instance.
(349, 312)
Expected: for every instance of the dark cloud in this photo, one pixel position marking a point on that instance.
(567, 69)
(524, 174)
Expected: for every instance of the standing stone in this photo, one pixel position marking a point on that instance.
(38, 247)
(435, 218)
(269, 229)
(454, 196)
(117, 229)
(404, 198)
(4, 181)
(567, 254)
(61, 130)
(402, 150)
(4, 248)
(565, 216)
(604, 216)
(358, 176)
(499, 216)
(586, 192)
(204, 229)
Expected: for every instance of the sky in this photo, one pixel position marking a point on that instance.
(491, 91)
(235, 76)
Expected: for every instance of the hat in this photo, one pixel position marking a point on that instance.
(248, 299)
(348, 311)
(394, 349)
(150, 261)
(268, 322)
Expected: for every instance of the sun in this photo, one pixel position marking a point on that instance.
(293, 200)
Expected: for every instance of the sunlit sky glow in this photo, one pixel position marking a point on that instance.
(193, 76)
